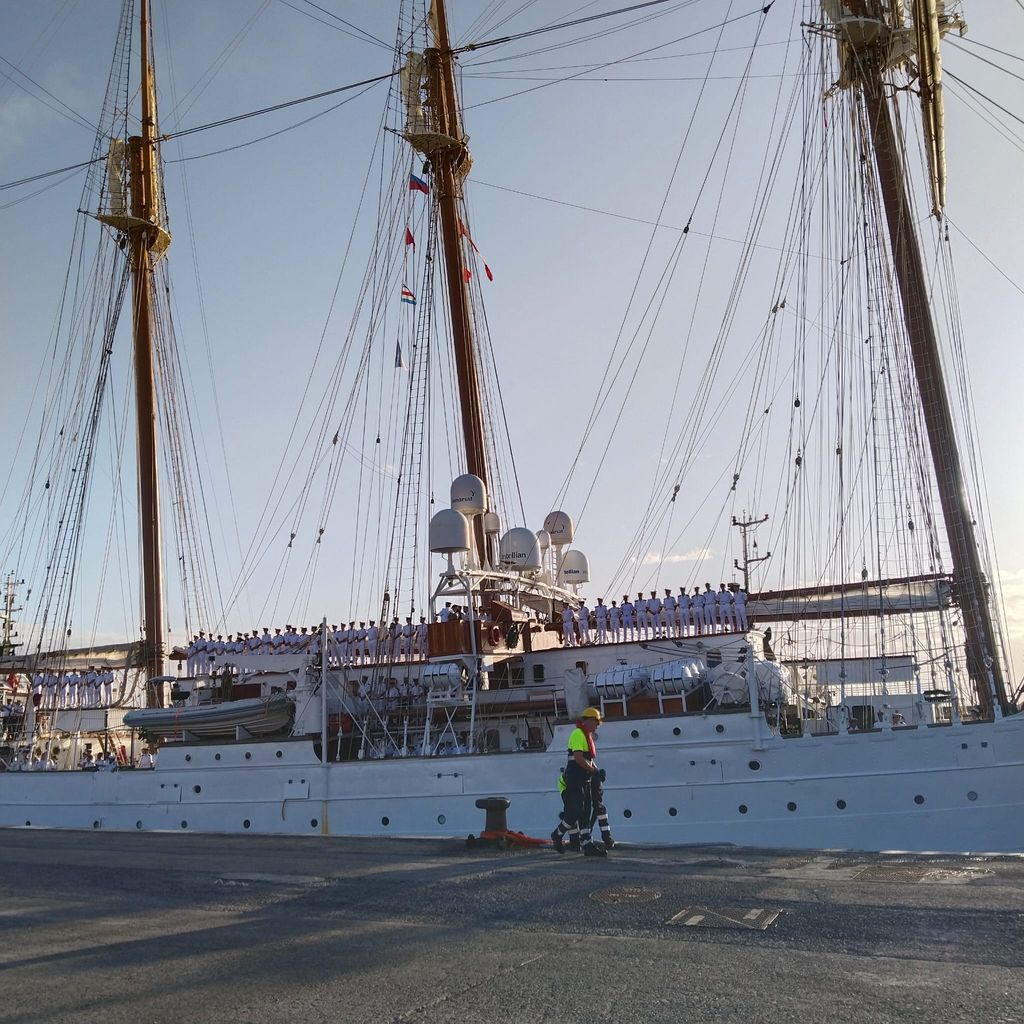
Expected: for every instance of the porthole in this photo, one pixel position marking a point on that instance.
(248, 755)
(138, 824)
(918, 799)
(754, 766)
(313, 823)
(216, 757)
(627, 813)
(963, 746)
(672, 812)
(188, 757)
(441, 819)
(713, 761)
(841, 804)
(95, 824)
(971, 795)
(278, 753)
(635, 734)
(984, 743)
(197, 789)
(246, 823)
(791, 806)
(28, 822)
(719, 728)
(677, 731)
(743, 808)
(385, 821)
(184, 824)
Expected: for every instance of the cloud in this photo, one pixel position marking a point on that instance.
(696, 555)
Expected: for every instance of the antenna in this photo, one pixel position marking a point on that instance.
(746, 526)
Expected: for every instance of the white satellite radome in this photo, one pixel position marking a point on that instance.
(544, 539)
(492, 524)
(559, 526)
(469, 495)
(575, 568)
(449, 532)
(519, 550)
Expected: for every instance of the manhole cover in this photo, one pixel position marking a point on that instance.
(626, 894)
(752, 918)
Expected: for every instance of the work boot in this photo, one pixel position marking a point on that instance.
(606, 838)
(574, 844)
(594, 850)
(556, 840)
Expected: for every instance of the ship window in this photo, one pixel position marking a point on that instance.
(635, 734)
(743, 808)
(672, 812)
(279, 754)
(538, 673)
(719, 728)
(971, 795)
(627, 813)
(841, 804)
(184, 824)
(791, 806)
(197, 789)
(385, 821)
(313, 823)
(188, 757)
(248, 755)
(677, 731)
(138, 824)
(441, 819)
(246, 823)
(216, 757)
(754, 766)
(918, 799)
(95, 824)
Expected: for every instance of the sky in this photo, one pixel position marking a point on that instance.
(260, 235)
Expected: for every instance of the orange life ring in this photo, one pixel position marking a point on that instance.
(494, 635)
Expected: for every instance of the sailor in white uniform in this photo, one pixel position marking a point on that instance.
(445, 613)
(568, 627)
(683, 612)
(668, 614)
(697, 611)
(739, 605)
(107, 682)
(654, 609)
(640, 613)
(601, 621)
(373, 641)
(421, 637)
(615, 622)
(724, 600)
(408, 635)
(277, 641)
(74, 679)
(584, 614)
(628, 618)
(710, 609)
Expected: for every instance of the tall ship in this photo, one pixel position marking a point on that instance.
(801, 644)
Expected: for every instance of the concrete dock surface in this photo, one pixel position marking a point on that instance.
(147, 928)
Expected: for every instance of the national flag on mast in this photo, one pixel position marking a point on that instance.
(407, 296)
(418, 185)
(465, 234)
(409, 240)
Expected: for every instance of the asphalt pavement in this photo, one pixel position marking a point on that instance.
(140, 928)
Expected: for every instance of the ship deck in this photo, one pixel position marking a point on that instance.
(130, 927)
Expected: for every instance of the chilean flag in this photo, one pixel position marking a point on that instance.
(418, 185)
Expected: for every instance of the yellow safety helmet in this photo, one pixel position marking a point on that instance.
(592, 713)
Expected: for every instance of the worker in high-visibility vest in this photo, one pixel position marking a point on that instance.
(575, 784)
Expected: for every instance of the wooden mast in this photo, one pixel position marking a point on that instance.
(144, 236)
(450, 161)
(971, 584)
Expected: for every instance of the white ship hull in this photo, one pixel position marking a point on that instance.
(671, 780)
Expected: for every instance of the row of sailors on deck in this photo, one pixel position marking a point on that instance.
(696, 614)
(355, 644)
(93, 688)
